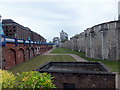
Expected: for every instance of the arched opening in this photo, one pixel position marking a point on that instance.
(10, 58)
(35, 51)
(27, 54)
(31, 53)
(38, 50)
(20, 56)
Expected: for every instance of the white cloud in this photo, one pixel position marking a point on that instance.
(60, 0)
(49, 18)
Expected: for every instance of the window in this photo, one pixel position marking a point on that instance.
(14, 30)
(14, 27)
(67, 86)
(6, 34)
(6, 30)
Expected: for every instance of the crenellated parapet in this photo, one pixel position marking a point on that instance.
(101, 41)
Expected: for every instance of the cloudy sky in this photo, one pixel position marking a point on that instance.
(49, 17)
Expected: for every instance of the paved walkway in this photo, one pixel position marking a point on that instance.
(76, 57)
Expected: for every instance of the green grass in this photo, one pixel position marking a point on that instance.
(112, 65)
(36, 62)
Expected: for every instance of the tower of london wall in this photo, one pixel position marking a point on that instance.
(101, 41)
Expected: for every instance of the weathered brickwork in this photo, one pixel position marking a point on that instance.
(100, 41)
(14, 55)
(15, 30)
(80, 74)
(84, 80)
(20, 44)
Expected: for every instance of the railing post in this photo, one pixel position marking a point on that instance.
(24, 42)
(29, 42)
(16, 42)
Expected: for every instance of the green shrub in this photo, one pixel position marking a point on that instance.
(7, 79)
(34, 79)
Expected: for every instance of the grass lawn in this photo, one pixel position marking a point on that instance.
(112, 65)
(36, 62)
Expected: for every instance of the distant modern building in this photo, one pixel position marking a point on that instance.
(63, 36)
(56, 41)
(119, 10)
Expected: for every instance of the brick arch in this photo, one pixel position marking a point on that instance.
(27, 54)
(38, 50)
(41, 49)
(10, 58)
(31, 53)
(20, 56)
(35, 51)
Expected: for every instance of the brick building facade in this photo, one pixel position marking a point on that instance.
(20, 44)
(15, 30)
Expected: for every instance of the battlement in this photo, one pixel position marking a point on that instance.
(100, 41)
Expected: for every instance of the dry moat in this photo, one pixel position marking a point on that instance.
(80, 74)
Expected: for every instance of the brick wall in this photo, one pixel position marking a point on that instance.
(84, 80)
(13, 55)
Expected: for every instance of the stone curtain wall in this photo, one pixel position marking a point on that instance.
(100, 41)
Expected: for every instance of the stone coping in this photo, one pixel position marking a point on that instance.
(75, 67)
